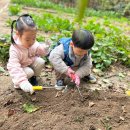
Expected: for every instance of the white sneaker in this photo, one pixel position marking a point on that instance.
(59, 85)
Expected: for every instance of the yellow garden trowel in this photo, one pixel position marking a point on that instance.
(38, 88)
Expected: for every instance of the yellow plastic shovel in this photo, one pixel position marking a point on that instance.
(38, 88)
(128, 92)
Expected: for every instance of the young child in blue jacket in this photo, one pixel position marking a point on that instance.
(72, 58)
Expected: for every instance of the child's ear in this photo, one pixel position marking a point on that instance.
(17, 33)
(71, 44)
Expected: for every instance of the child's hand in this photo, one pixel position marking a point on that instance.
(75, 78)
(70, 72)
(26, 87)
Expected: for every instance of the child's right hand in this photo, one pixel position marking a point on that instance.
(74, 77)
(27, 87)
(70, 72)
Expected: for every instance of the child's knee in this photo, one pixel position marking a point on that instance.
(39, 63)
(29, 72)
(38, 66)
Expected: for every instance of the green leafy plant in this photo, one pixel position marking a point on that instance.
(126, 11)
(4, 48)
(8, 22)
(29, 108)
(48, 22)
(40, 38)
(2, 70)
(14, 9)
(47, 4)
(110, 44)
(4, 52)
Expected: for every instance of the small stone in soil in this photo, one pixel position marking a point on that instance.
(92, 127)
(72, 103)
(64, 114)
(82, 100)
(2, 121)
(9, 102)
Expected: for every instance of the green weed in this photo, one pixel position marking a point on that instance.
(14, 9)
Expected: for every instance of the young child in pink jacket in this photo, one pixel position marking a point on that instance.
(25, 63)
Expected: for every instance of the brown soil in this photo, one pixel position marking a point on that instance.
(103, 109)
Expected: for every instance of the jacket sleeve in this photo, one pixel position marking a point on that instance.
(15, 70)
(85, 68)
(42, 49)
(56, 58)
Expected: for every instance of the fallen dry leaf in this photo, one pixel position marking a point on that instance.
(91, 104)
(59, 93)
(11, 112)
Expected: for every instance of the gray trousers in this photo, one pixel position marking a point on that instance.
(35, 68)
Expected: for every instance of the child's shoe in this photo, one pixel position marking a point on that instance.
(90, 78)
(59, 84)
(33, 81)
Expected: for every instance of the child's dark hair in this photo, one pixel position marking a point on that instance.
(23, 23)
(83, 39)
